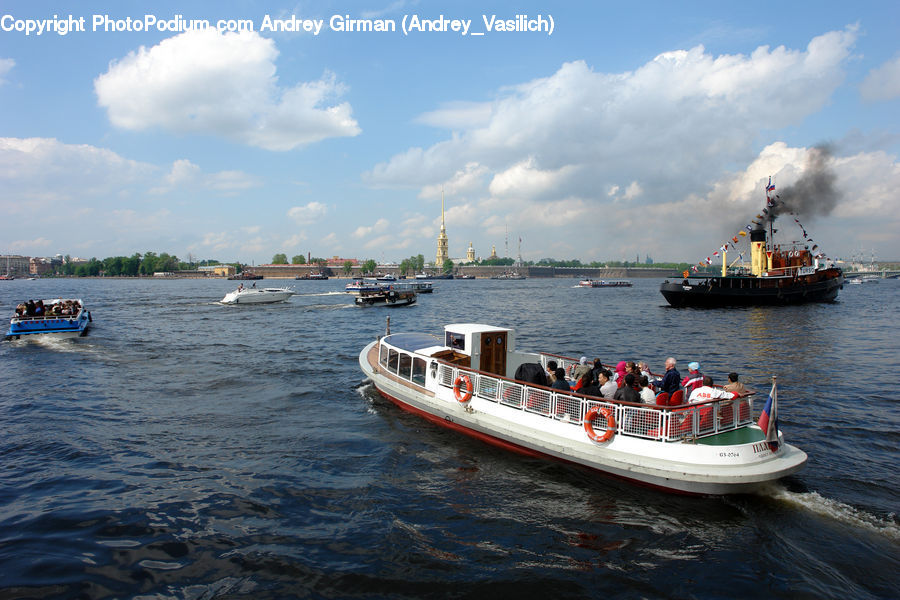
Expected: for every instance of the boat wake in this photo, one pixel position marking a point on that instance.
(56, 344)
(837, 511)
(322, 294)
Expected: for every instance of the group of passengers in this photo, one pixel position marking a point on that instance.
(633, 382)
(32, 308)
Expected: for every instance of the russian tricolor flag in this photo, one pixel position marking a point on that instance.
(768, 420)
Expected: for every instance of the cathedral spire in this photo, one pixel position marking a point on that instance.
(442, 244)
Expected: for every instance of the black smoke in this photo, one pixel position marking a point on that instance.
(815, 193)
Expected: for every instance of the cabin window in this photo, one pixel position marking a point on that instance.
(392, 361)
(418, 371)
(457, 341)
(384, 355)
(405, 366)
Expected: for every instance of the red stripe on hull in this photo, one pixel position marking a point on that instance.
(489, 439)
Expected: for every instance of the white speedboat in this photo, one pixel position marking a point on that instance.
(251, 295)
(59, 317)
(464, 381)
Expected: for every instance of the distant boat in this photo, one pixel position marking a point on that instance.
(390, 295)
(245, 276)
(244, 295)
(316, 276)
(509, 275)
(465, 277)
(602, 283)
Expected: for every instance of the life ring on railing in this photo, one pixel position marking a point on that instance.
(463, 397)
(610, 425)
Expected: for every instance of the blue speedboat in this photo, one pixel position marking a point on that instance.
(59, 317)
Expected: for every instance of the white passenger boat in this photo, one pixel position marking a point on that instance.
(603, 283)
(59, 317)
(251, 295)
(464, 381)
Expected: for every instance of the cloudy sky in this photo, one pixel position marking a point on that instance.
(650, 129)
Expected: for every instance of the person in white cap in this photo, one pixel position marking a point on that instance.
(693, 379)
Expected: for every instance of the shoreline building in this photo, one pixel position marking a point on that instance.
(442, 244)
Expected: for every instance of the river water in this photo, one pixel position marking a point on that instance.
(186, 449)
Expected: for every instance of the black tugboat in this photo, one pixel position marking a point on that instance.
(778, 275)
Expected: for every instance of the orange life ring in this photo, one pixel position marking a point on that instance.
(610, 425)
(457, 387)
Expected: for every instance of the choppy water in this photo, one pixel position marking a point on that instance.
(191, 450)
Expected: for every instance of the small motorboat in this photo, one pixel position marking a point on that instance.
(253, 295)
(59, 317)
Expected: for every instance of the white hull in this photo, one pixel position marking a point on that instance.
(257, 296)
(726, 463)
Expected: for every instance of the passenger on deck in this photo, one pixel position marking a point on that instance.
(693, 379)
(551, 369)
(588, 387)
(672, 379)
(582, 368)
(560, 383)
(626, 392)
(647, 393)
(607, 385)
(39, 310)
(708, 392)
(734, 385)
(621, 370)
(598, 366)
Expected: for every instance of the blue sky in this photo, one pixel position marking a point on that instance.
(646, 129)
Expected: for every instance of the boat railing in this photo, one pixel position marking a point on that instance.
(47, 317)
(660, 423)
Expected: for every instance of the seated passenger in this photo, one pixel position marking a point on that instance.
(588, 387)
(671, 381)
(647, 393)
(582, 368)
(607, 385)
(626, 392)
(560, 382)
(734, 385)
(551, 368)
(693, 379)
(708, 392)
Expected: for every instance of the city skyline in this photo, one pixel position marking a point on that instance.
(591, 132)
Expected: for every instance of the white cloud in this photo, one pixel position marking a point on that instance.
(364, 230)
(676, 120)
(221, 84)
(295, 240)
(6, 65)
(619, 157)
(310, 213)
(186, 175)
(30, 245)
(882, 83)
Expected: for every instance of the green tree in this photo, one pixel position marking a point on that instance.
(348, 267)
(420, 263)
(279, 259)
(369, 266)
(448, 265)
(298, 260)
(148, 263)
(404, 266)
